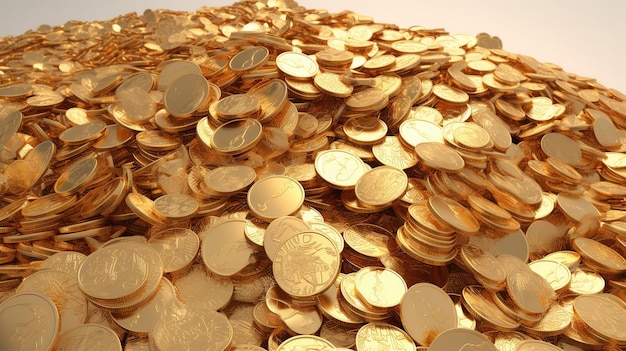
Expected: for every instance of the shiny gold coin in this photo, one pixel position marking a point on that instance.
(249, 59)
(112, 273)
(296, 65)
(339, 168)
(237, 106)
(480, 304)
(380, 287)
(83, 133)
(602, 257)
(557, 274)
(304, 342)
(211, 330)
(416, 131)
(604, 314)
(20, 309)
(369, 99)
(483, 264)
(530, 291)
(226, 255)
(144, 319)
(365, 130)
(77, 176)
(370, 240)
(436, 308)
(202, 289)
(457, 339)
(331, 84)
(453, 214)
(186, 94)
(48, 205)
(450, 94)
(236, 136)
(280, 230)
(439, 156)
(272, 95)
(536, 345)
(156, 140)
(383, 336)
(392, 152)
(318, 253)
(369, 187)
(10, 123)
(230, 179)
(62, 289)
(115, 136)
(275, 196)
(18, 177)
(175, 206)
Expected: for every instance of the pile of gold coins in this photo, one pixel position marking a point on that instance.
(263, 176)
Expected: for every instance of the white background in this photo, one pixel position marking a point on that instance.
(582, 36)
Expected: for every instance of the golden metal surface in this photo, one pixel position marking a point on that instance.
(331, 166)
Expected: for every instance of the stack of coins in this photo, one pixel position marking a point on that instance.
(267, 177)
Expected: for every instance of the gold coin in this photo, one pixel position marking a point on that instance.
(272, 95)
(536, 345)
(226, 255)
(115, 136)
(309, 254)
(17, 175)
(144, 319)
(175, 206)
(435, 307)
(48, 205)
(280, 230)
(585, 282)
(18, 312)
(393, 153)
(478, 301)
(236, 136)
(530, 292)
(112, 273)
(230, 179)
(383, 336)
(439, 156)
(453, 214)
(211, 330)
(416, 131)
(176, 246)
(370, 240)
(450, 94)
(557, 274)
(249, 59)
(604, 314)
(238, 106)
(339, 168)
(331, 84)
(202, 289)
(365, 130)
(380, 287)
(456, 339)
(602, 257)
(10, 123)
(561, 147)
(369, 99)
(305, 342)
(83, 133)
(483, 264)
(62, 289)
(78, 175)
(369, 187)
(296, 65)
(156, 140)
(275, 196)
